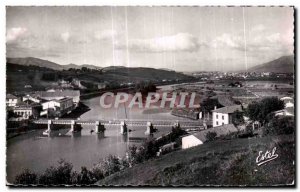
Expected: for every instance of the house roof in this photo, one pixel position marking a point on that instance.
(11, 96)
(58, 100)
(228, 109)
(64, 93)
(225, 100)
(286, 98)
(220, 130)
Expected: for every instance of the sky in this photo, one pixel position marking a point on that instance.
(177, 38)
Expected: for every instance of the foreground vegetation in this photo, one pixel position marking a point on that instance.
(220, 162)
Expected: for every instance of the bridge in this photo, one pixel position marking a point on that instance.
(123, 123)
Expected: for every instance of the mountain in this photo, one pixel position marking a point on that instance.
(283, 64)
(74, 66)
(47, 64)
(35, 61)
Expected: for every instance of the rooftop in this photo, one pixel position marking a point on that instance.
(64, 93)
(10, 96)
(228, 109)
(220, 130)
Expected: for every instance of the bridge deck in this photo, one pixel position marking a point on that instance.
(129, 122)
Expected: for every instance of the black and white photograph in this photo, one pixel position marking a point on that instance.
(150, 96)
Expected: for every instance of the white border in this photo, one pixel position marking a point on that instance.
(115, 3)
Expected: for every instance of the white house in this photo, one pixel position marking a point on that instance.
(223, 116)
(288, 101)
(191, 141)
(26, 111)
(289, 109)
(11, 100)
(200, 137)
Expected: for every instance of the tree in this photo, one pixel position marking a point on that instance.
(279, 126)
(145, 87)
(110, 165)
(85, 177)
(237, 118)
(26, 178)
(60, 175)
(210, 136)
(258, 111)
(98, 172)
(209, 104)
(132, 155)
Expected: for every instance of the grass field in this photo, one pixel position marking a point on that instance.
(222, 162)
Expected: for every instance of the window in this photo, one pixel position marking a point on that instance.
(217, 123)
(222, 117)
(217, 116)
(222, 123)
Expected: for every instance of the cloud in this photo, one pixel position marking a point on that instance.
(65, 36)
(226, 40)
(181, 42)
(105, 34)
(255, 42)
(258, 28)
(14, 34)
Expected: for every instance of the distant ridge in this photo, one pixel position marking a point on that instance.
(26, 61)
(284, 64)
(35, 62)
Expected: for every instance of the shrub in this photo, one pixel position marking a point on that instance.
(85, 177)
(60, 175)
(259, 111)
(280, 125)
(26, 178)
(210, 136)
(110, 165)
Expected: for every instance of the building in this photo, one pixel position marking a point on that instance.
(57, 108)
(223, 115)
(57, 95)
(288, 110)
(27, 111)
(11, 100)
(200, 137)
(29, 98)
(288, 101)
(101, 85)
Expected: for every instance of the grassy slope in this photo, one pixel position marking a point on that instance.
(230, 162)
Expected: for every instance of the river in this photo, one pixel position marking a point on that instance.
(37, 152)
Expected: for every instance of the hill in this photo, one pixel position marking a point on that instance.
(74, 66)
(18, 76)
(27, 61)
(283, 64)
(221, 162)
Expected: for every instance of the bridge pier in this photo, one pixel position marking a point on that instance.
(149, 130)
(49, 126)
(204, 124)
(176, 125)
(72, 126)
(99, 127)
(123, 129)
